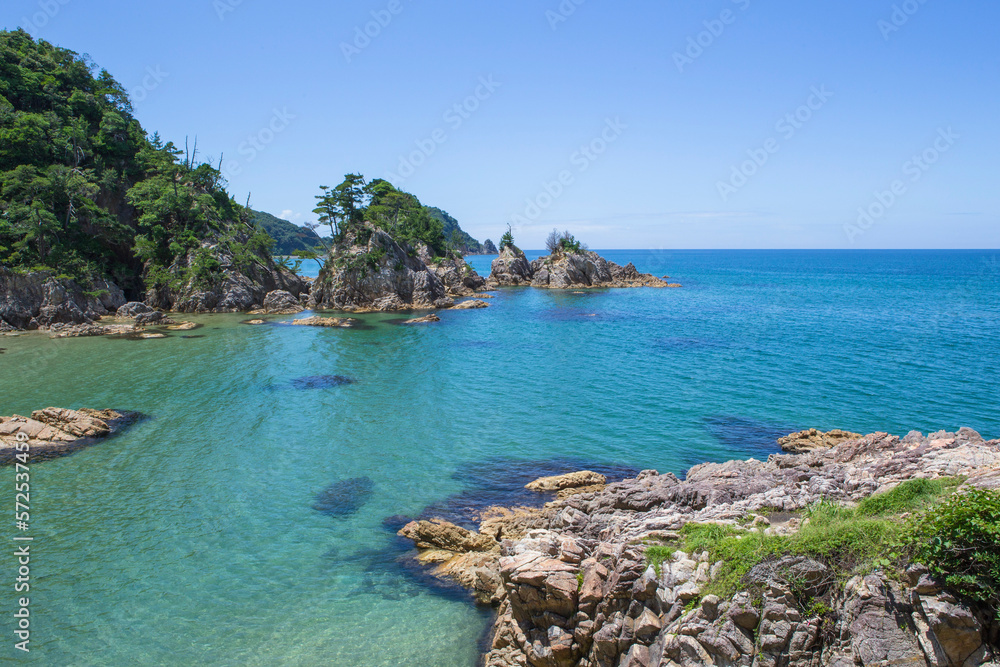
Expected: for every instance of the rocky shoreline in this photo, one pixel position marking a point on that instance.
(55, 432)
(573, 582)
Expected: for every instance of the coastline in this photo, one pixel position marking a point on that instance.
(583, 581)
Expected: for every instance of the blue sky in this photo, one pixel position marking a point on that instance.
(682, 124)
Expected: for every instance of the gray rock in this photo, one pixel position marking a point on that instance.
(511, 268)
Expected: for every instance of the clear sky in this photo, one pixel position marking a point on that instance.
(642, 124)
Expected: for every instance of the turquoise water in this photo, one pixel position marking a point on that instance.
(191, 538)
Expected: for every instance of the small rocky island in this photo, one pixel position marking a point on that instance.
(569, 265)
(652, 571)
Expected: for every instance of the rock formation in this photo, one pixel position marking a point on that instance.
(243, 284)
(316, 321)
(40, 300)
(511, 268)
(568, 270)
(806, 441)
(54, 432)
(371, 272)
(573, 585)
(280, 302)
(489, 248)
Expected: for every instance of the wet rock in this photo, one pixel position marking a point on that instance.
(133, 309)
(440, 534)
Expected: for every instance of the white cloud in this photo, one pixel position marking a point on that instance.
(290, 215)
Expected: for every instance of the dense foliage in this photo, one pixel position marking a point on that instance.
(507, 240)
(85, 193)
(457, 238)
(289, 238)
(960, 542)
(346, 207)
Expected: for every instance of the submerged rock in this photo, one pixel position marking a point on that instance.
(426, 319)
(345, 497)
(55, 432)
(320, 381)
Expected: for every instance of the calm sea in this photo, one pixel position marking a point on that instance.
(192, 540)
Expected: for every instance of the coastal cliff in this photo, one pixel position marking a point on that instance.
(793, 561)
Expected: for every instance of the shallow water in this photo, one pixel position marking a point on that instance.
(191, 539)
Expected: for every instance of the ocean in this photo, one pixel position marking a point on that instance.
(193, 537)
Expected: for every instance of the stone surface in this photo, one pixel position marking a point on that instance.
(426, 319)
(280, 302)
(472, 304)
(370, 272)
(567, 481)
(806, 441)
(54, 432)
(575, 588)
(511, 268)
(317, 321)
(39, 300)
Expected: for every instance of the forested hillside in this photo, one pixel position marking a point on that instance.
(85, 193)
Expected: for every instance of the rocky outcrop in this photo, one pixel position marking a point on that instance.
(55, 432)
(568, 270)
(241, 283)
(280, 302)
(489, 248)
(328, 322)
(459, 279)
(585, 269)
(807, 441)
(576, 587)
(426, 319)
(511, 267)
(471, 304)
(40, 300)
(568, 481)
(371, 272)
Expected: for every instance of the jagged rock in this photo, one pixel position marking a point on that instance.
(240, 286)
(440, 534)
(280, 302)
(489, 248)
(133, 309)
(459, 279)
(580, 568)
(585, 269)
(152, 317)
(317, 321)
(57, 431)
(371, 272)
(807, 441)
(39, 300)
(511, 268)
(567, 481)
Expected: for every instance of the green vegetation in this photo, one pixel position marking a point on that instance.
(959, 540)
(507, 240)
(289, 238)
(861, 539)
(85, 193)
(458, 239)
(346, 207)
(565, 242)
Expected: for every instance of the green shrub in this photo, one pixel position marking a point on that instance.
(959, 540)
(910, 495)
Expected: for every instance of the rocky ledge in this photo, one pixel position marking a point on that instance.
(55, 432)
(568, 270)
(574, 584)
